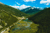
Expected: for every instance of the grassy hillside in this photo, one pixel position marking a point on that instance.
(23, 27)
(43, 19)
(11, 10)
(6, 20)
(6, 15)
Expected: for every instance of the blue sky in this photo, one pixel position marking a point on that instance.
(21, 4)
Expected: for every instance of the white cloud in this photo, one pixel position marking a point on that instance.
(21, 7)
(29, 0)
(17, 3)
(15, 6)
(47, 2)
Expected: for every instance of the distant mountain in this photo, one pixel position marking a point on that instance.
(43, 19)
(26, 9)
(31, 10)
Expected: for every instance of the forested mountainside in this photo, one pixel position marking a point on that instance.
(43, 19)
(12, 10)
(6, 20)
(6, 15)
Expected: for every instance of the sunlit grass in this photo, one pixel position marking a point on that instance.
(24, 30)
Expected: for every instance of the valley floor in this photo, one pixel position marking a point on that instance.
(22, 26)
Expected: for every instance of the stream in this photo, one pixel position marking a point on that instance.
(23, 25)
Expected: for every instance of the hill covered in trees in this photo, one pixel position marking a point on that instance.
(43, 19)
(12, 10)
(6, 15)
(6, 20)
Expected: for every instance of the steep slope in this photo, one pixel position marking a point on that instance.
(6, 20)
(43, 19)
(31, 10)
(6, 15)
(12, 10)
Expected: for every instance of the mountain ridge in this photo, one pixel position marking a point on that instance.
(12, 10)
(31, 10)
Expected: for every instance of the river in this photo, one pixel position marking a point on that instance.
(24, 24)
